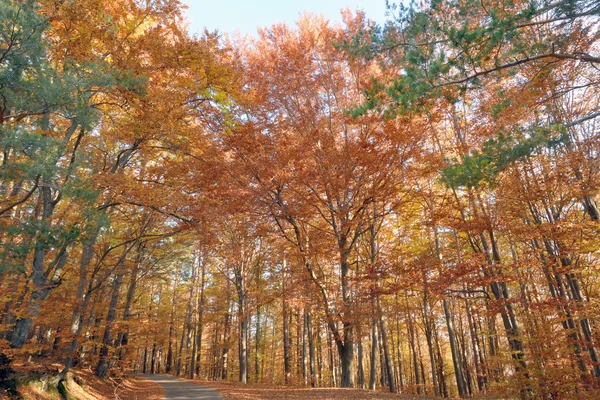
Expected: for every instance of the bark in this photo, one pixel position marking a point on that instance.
(225, 351)
(79, 307)
(45, 276)
(411, 332)
(373, 372)
(311, 350)
(123, 340)
(387, 357)
(243, 349)
(257, 343)
(200, 327)
(361, 371)
(240, 283)
(187, 323)
(456, 360)
(304, 347)
(102, 368)
(169, 366)
(42, 283)
(429, 327)
(286, 344)
(332, 364)
(476, 348)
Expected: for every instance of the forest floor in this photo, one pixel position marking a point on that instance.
(38, 383)
(238, 391)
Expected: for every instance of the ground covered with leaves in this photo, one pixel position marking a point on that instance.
(36, 383)
(237, 391)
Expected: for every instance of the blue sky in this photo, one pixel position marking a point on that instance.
(244, 16)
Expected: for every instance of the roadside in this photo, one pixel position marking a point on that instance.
(36, 382)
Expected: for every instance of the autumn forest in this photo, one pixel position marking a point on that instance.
(406, 207)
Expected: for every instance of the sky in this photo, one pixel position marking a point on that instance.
(245, 16)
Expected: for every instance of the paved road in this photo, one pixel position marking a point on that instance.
(179, 390)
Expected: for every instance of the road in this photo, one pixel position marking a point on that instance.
(179, 390)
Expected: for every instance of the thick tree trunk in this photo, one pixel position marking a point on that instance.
(346, 353)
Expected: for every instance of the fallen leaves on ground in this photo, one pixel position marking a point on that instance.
(84, 385)
(237, 391)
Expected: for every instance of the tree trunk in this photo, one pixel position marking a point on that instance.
(311, 350)
(361, 371)
(257, 342)
(373, 372)
(102, 368)
(386, 350)
(458, 369)
(286, 344)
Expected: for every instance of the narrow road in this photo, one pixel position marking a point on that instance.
(179, 390)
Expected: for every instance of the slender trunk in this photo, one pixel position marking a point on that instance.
(458, 369)
(225, 352)
(187, 323)
(332, 364)
(286, 344)
(311, 350)
(243, 348)
(78, 309)
(386, 353)
(123, 340)
(102, 368)
(153, 360)
(361, 371)
(415, 360)
(304, 347)
(200, 328)
(373, 372)
(257, 343)
(169, 366)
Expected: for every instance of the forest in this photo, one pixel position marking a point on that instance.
(406, 207)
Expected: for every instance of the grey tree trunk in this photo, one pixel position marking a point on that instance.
(311, 351)
(373, 372)
(200, 326)
(286, 336)
(243, 348)
(257, 343)
(169, 366)
(102, 368)
(456, 359)
(77, 316)
(387, 357)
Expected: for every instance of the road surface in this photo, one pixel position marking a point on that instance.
(179, 390)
